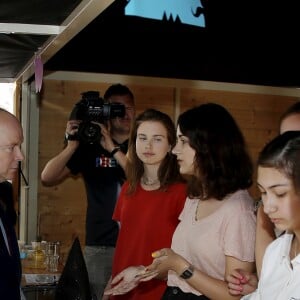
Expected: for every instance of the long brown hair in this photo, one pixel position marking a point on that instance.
(168, 171)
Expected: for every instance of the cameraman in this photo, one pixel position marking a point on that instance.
(101, 165)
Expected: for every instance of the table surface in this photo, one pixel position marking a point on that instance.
(28, 268)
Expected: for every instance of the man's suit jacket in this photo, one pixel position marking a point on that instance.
(10, 263)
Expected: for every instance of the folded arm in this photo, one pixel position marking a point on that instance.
(211, 287)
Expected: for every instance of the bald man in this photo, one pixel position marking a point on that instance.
(11, 137)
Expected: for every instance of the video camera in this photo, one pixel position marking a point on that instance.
(91, 108)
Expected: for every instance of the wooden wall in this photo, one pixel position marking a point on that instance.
(62, 208)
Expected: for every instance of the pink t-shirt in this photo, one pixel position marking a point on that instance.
(229, 231)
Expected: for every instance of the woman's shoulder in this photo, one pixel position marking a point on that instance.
(125, 185)
(278, 249)
(242, 200)
(241, 195)
(178, 186)
(284, 240)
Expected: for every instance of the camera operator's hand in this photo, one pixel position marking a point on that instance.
(71, 130)
(106, 140)
(108, 144)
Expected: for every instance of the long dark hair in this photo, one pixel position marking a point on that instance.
(168, 171)
(222, 162)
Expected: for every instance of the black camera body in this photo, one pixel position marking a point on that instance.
(91, 108)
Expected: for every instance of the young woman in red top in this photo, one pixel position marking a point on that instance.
(150, 201)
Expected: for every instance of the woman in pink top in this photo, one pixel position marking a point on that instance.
(216, 233)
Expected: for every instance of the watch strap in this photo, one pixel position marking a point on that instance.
(187, 273)
(115, 150)
(71, 137)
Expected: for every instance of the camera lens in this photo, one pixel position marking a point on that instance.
(91, 108)
(117, 110)
(89, 133)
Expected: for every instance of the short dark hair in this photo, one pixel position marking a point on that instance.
(293, 109)
(117, 89)
(222, 162)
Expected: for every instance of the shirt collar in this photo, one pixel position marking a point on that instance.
(285, 249)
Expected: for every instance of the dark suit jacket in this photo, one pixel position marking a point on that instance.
(10, 264)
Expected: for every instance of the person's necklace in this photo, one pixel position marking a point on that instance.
(149, 182)
(197, 210)
(296, 247)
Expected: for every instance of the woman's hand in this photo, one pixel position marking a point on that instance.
(241, 282)
(108, 286)
(128, 279)
(166, 259)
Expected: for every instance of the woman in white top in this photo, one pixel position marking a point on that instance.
(278, 179)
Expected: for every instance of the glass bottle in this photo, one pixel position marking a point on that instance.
(38, 257)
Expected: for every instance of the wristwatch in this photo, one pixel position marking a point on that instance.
(71, 137)
(187, 273)
(115, 150)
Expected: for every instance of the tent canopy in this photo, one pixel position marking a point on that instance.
(251, 42)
